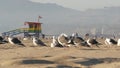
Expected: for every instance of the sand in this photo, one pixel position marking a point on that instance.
(13, 56)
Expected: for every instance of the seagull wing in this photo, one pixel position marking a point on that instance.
(39, 42)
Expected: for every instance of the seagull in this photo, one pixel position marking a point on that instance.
(118, 42)
(55, 42)
(110, 41)
(15, 40)
(2, 40)
(92, 41)
(77, 40)
(64, 40)
(37, 42)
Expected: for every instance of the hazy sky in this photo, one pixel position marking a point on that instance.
(83, 4)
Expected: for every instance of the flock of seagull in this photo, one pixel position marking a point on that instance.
(17, 41)
(63, 40)
(74, 40)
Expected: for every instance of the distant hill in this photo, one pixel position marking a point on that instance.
(57, 19)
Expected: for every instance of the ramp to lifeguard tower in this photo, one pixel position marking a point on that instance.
(14, 32)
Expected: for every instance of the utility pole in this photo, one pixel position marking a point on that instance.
(102, 31)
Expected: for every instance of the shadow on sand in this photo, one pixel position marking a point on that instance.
(90, 62)
(37, 62)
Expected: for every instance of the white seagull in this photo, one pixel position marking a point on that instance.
(110, 41)
(64, 40)
(37, 42)
(92, 41)
(2, 40)
(54, 42)
(15, 40)
(118, 42)
(77, 40)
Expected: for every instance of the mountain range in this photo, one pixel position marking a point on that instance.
(57, 19)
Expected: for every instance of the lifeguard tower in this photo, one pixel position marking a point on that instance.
(34, 28)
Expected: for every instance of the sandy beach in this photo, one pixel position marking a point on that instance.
(13, 56)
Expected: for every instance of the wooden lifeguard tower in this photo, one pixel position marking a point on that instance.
(34, 28)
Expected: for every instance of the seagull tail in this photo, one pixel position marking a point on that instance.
(22, 44)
